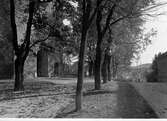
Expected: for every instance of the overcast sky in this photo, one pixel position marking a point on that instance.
(159, 43)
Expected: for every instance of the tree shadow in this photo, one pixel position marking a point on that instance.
(69, 110)
(96, 92)
(64, 114)
(35, 95)
(34, 89)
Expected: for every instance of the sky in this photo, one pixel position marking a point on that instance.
(159, 42)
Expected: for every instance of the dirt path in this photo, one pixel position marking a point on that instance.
(156, 96)
(115, 100)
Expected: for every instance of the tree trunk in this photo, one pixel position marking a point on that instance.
(109, 68)
(105, 69)
(81, 70)
(19, 77)
(114, 66)
(91, 65)
(61, 65)
(114, 72)
(98, 57)
(116, 69)
(21, 51)
(98, 64)
(86, 22)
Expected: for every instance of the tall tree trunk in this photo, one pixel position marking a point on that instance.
(19, 77)
(98, 57)
(22, 51)
(105, 69)
(81, 70)
(98, 64)
(87, 19)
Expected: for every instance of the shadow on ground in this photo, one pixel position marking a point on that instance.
(97, 92)
(123, 102)
(34, 89)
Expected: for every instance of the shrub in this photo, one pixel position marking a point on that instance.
(152, 76)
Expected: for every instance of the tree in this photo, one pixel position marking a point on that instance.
(130, 40)
(88, 14)
(21, 51)
(109, 50)
(109, 14)
(101, 30)
(91, 55)
(22, 46)
(87, 19)
(106, 66)
(91, 49)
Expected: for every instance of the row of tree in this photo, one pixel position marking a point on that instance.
(98, 31)
(115, 22)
